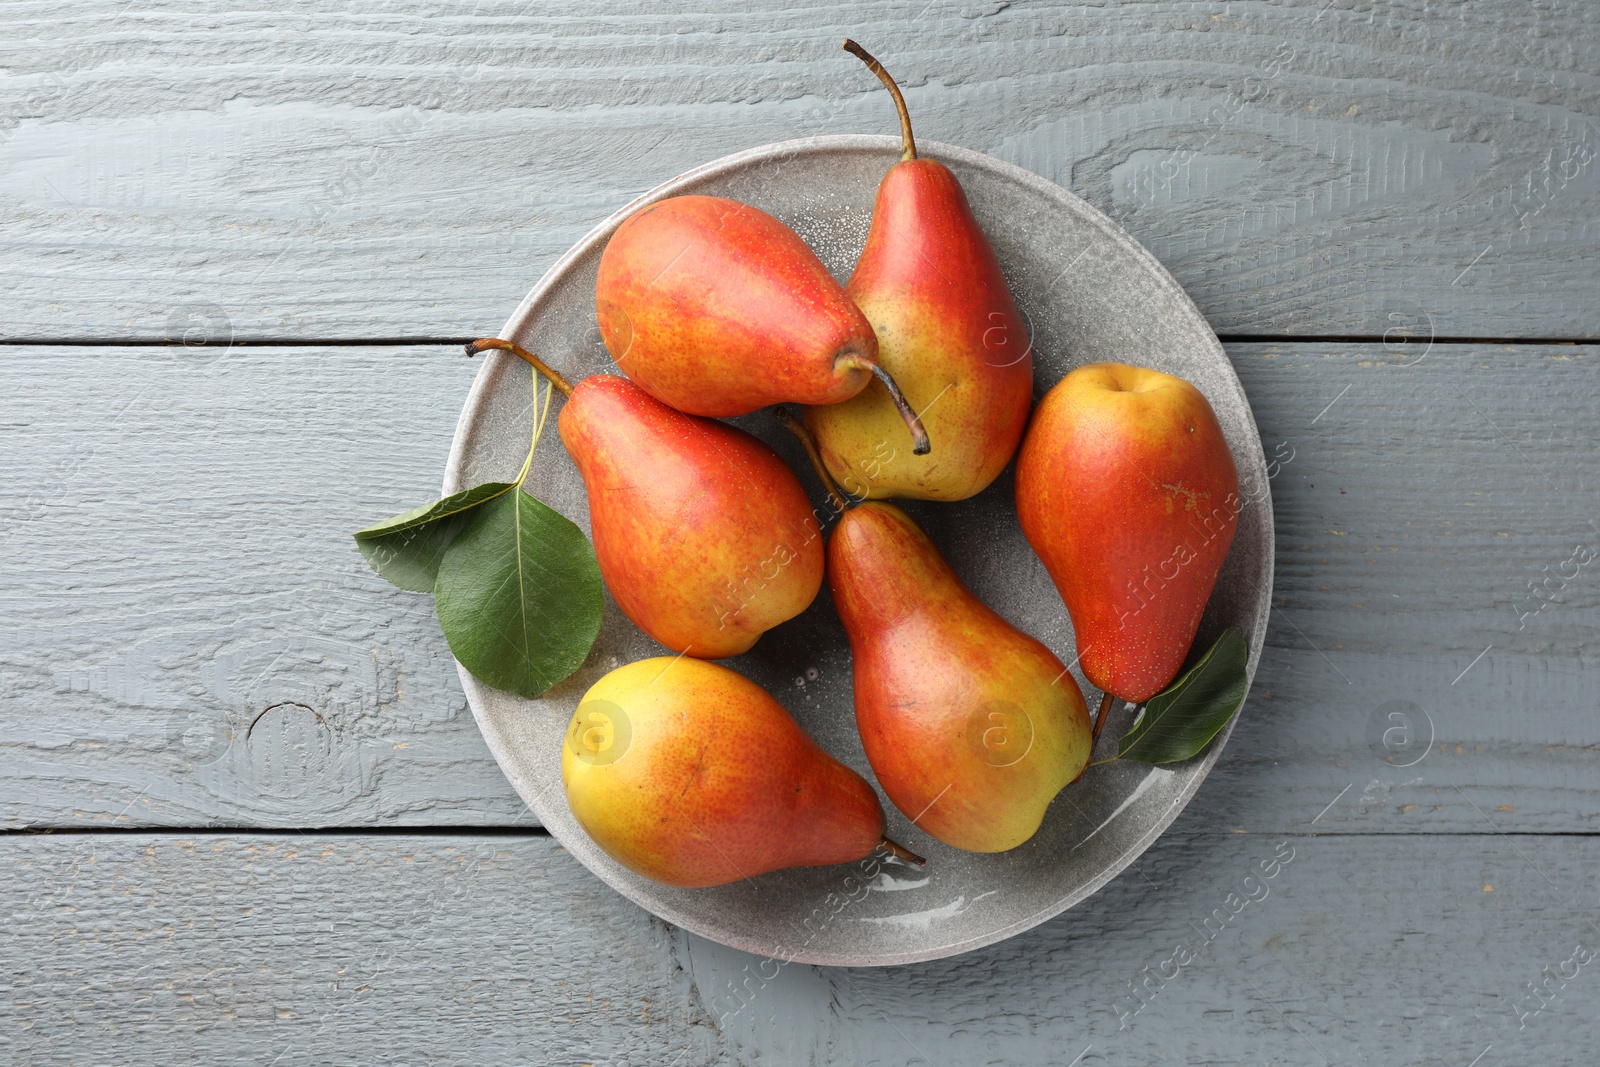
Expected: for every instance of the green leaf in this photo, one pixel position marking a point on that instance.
(519, 595)
(1183, 718)
(407, 548)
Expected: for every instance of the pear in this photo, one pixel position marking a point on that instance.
(704, 536)
(972, 726)
(717, 308)
(692, 775)
(948, 332)
(1127, 491)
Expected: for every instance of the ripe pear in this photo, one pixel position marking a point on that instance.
(1128, 493)
(705, 537)
(948, 331)
(691, 775)
(717, 308)
(971, 725)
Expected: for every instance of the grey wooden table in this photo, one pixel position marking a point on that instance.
(247, 815)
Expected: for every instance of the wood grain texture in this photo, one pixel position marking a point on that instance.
(188, 626)
(313, 948)
(188, 636)
(284, 171)
(1426, 530)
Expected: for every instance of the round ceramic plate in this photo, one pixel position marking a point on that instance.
(1089, 293)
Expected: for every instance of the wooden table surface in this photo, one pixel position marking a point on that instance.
(247, 814)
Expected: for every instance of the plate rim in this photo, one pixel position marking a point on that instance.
(521, 318)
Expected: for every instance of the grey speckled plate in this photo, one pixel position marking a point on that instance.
(1090, 292)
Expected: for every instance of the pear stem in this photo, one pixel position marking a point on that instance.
(1100, 716)
(473, 348)
(1099, 724)
(908, 145)
(900, 852)
(919, 434)
(809, 443)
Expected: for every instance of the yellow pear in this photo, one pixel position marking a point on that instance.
(690, 774)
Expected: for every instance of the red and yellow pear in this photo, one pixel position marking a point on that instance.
(948, 332)
(704, 536)
(692, 775)
(717, 308)
(1127, 491)
(972, 726)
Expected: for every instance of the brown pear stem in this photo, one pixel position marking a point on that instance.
(1099, 724)
(1100, 716)
(809, 443)
(919, 434)
(900, 852)
(908, 145)
(474, 347)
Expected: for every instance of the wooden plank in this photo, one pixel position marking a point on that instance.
(178, 567)
(189, 628)
(1426, 531)
(316, 948)
(289, 172)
